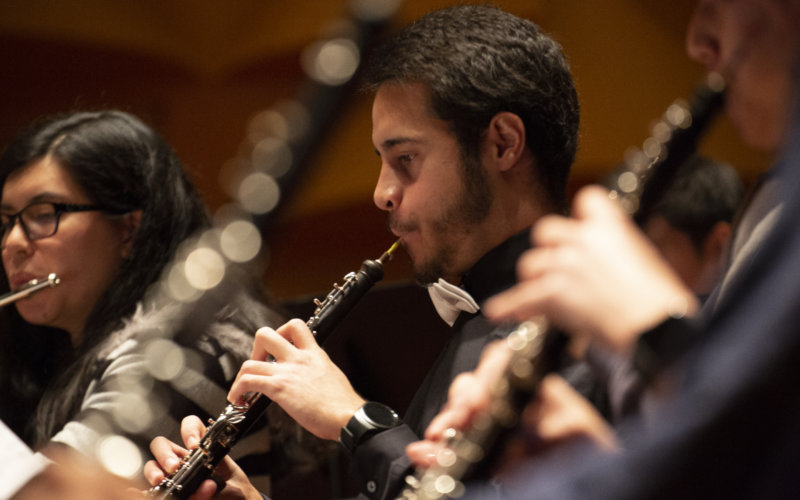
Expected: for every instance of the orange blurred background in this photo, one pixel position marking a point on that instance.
(198, 70)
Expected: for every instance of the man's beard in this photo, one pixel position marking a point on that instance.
(470, 207)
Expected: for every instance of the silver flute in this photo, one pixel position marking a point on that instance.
(30, 288)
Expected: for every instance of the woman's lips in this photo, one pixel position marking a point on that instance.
(19, 279)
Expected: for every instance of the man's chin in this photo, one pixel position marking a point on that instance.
(428, 273)
(424, 281)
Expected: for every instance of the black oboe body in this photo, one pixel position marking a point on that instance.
(235, 421)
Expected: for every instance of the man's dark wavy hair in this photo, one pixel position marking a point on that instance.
(478, 61)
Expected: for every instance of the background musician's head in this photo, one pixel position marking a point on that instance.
(99, 199)
(475, 119)
(753, 44)
(691, 223)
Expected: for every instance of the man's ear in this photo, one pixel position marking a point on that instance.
(506, 139)
(129, 224)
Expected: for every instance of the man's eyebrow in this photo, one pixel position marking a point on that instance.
(390, 143)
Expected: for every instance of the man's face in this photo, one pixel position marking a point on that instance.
(432, 205)
(754, 44)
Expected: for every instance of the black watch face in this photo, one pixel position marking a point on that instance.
(381, 414)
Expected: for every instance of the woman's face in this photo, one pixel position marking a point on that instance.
(85, 251)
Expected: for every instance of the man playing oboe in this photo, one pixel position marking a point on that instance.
(475, 120)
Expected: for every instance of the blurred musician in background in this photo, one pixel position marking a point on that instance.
(721, 379)
(690, 226)
(101, 200)
(691, 223)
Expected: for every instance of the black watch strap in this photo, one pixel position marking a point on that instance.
(661, 346)
(370, 419)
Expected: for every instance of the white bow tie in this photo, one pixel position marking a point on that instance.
(449, 300)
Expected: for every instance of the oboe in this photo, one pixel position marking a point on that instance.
(648, 173)
(30, 288)
(236, 420)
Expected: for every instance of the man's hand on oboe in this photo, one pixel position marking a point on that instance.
(168, 457)
(468, 396)
(557, 415)
(593, 274)
(300, 377)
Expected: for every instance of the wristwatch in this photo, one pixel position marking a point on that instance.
(370, 419)
(660, 346)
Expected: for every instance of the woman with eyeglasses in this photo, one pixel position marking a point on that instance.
(101, 200)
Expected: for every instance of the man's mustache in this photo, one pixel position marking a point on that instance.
(399, 227)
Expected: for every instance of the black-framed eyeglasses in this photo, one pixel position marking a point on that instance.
(39, 219)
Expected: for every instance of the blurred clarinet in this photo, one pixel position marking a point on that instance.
(648, 173)
(30, 288)
(236, 420)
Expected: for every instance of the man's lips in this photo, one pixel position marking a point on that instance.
(402, 231)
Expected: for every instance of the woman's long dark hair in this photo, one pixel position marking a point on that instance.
(123, 165)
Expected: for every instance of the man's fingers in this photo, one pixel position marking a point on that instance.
(283, 342)
(594, 202)
(268, 342)
(252, 377)
(560, 414)
(422, 453)
(153, 473)
(518, 303)
(205, 491)
(469, 393)
(225, 469)
(494, 361)
(168, 457)
(553, 230)
(192, 431)
(299, 335)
